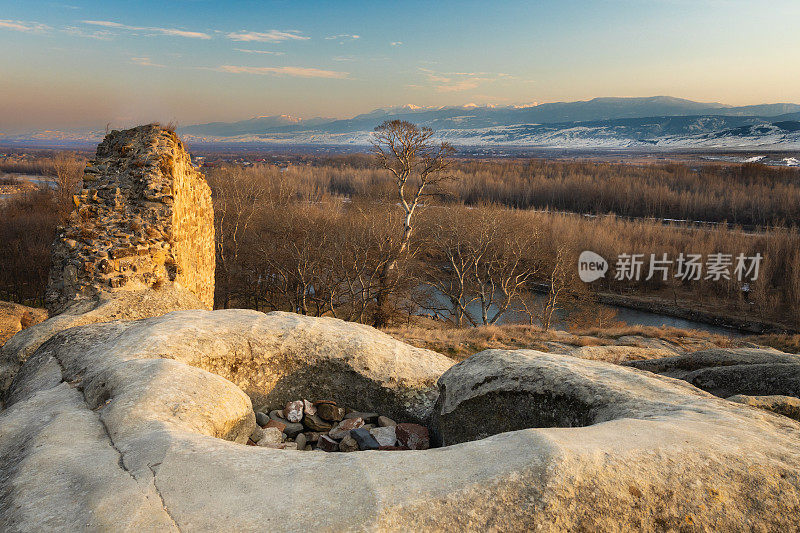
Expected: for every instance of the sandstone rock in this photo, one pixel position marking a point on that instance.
(364, 439)
(385, 436)
(315, 423)
(293, 412)
(728, 372)
(348, 444)
(344, 427)
(782, 405)
(279, 357)
(262, 419)
(327, 444)
(412, 436)
(271, 435)
(106, 307)
(14, 318)
(658, 451)
(386, 422)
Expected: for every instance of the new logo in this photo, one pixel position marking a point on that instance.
(591, 266)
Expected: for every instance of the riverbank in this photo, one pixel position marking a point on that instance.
(659, 306)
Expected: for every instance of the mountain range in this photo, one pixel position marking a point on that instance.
(659, 121)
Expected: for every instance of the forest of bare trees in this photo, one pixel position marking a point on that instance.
(317, 238)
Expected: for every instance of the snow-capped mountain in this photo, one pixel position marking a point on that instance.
(602, 122)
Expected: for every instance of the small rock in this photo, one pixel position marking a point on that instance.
(364, 439)
(275, 424)
(369, 426)
(292, 429)
(327, 444)
(312, 436)
(315, 423)
(414, 436)
(384, 435)
(301, 441)
(340, 414)
(271, 436)
(277, 414)
(344, 427)
(308, 408)
(328, 411)
(262, 418)
(368, 418)
(386, 422)
(348, 444)
(293, 411)
(257, 434)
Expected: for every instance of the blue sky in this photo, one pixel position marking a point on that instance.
(87, 63)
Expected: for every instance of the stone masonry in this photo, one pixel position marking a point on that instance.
(144, 219)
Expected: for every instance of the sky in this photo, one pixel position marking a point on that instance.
(82, 64)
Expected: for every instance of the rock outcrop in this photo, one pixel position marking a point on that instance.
(15, 317)
(162, 432)
(750, 371)
(143, 220)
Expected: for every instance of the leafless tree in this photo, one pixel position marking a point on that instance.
(416, 164)
(68, 170)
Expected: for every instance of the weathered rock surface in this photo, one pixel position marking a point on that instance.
(143, 220)
(659, 455)
(782, 405)
(727, 372)
(15, 317)
(106, 307)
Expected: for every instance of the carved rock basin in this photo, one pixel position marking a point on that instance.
(138, 425)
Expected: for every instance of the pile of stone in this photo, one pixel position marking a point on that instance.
(323, 425)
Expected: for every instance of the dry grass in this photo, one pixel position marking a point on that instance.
(461, 343)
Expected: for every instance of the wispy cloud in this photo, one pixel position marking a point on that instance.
(266, 52)
(342, 38)
(174, 32)
(28, 27)
(448, 82)
(396, 43)
(271, 36)
(298, 72)
(343, 58)
(101, 35)
(145, 62)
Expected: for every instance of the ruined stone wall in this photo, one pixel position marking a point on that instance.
(144, 219)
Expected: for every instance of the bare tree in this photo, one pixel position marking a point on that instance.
(68, 170)
(416, 163)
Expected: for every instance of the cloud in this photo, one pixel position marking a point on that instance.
(342, 38)
(396, 43)
(101, 35)
(447, 82)
(272, 36)
(343, 58)
(27, 27)
(267, 52)
(298, 72)
(173, 32)
(145, 62)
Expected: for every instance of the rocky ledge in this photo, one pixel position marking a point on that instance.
(148, 418)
